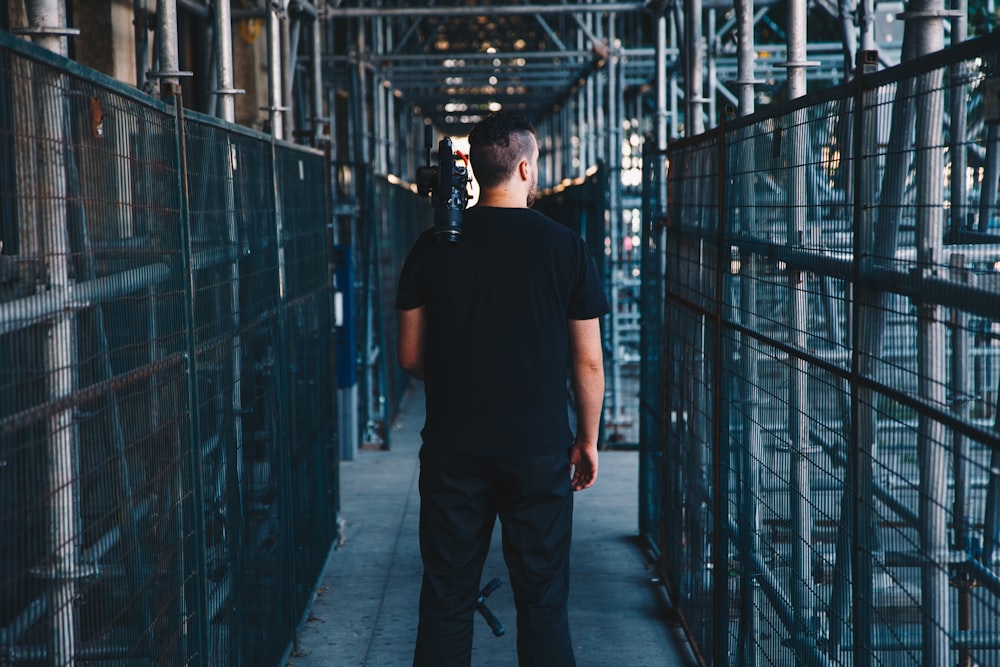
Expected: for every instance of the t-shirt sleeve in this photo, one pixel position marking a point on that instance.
(408, 294)
(588, 299)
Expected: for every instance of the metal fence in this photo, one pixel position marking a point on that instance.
(821, 449)
(168, 466)
(396, 217)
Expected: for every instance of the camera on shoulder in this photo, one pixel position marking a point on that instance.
(447, 184)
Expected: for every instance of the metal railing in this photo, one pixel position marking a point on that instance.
(821, 460)
(168, 466)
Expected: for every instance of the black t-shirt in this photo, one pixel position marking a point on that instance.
(497, 339)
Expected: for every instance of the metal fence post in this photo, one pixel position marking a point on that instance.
(286, 560)
(46, 19)
(931, 336)
(196, 618)
(859, 526)
(720, 427)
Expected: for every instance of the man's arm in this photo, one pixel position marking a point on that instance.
(588, 387)
(410, 347)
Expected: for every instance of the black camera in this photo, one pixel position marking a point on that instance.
(448, 186)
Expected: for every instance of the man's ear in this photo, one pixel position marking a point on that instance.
(523, 170)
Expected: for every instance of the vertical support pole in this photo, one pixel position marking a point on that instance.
(960, 403)
(991, 172)
(661, 84)
(695, 120)
(166, 41)
(591, 138)
(720, 422)
(391, 136)
(223, 23)
(286, 512)
(711, 52)
(316, 70)
(866, 24)
(288, 44)
(958, 121)
(675, 94)
(745, 57)
(931, 330)
(614, 148)
(140, 12)
(582, 129)
(798, 309)
(752, 441)
(274, 78)
(662, 137)
(195, 612)
(865, 343)
(46, 19)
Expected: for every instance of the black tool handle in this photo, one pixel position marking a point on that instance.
(488, 589)
(491, 620)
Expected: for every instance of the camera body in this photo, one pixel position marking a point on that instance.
(448, 186)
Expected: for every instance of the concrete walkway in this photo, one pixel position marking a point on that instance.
(365, 614)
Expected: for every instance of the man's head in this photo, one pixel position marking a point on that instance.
(503, 147)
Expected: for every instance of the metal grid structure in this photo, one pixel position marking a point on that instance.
(165, 375)
(830, 441)
(397, 216)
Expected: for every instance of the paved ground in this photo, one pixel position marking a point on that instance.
(365, 612)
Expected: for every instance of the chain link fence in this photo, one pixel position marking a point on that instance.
(168, 466)
(821, 461)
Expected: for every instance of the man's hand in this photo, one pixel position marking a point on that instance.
(583, 459)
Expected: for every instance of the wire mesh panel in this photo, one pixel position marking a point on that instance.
(166, 481)
(401, 215)
(689, 387)
(652, 406)
(788, 219)
(308, 369)
(858, 430)
(94, 407)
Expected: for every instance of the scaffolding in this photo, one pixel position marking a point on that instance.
(828, 420)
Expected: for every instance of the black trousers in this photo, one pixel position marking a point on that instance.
(460, 499)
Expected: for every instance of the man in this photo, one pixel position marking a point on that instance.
(491, 325)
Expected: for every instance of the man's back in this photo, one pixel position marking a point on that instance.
(497, 353)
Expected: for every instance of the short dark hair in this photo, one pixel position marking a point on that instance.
(497, 143)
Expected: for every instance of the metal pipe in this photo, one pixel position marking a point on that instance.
(958, 124)
(588, 139)
(855, 567)
(711, 58)
(745, 56)
(783, 609)
(479, 10)
(289, 56)
(931, 334)
(661, 83)
(694, 121)
(166, 41)
(317, 82)
(47, 20)
(674, 105)
(799, 445)
(991, 172)
(614, 148)
(752, 451)
(866, 24)
(223, 25)
(140, 12)
(274, 85)
(960, 403)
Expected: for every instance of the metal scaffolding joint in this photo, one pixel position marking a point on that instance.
(46, 30)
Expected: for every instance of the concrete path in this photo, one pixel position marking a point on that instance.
(365, 614)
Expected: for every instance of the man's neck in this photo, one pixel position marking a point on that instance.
(501, 198)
